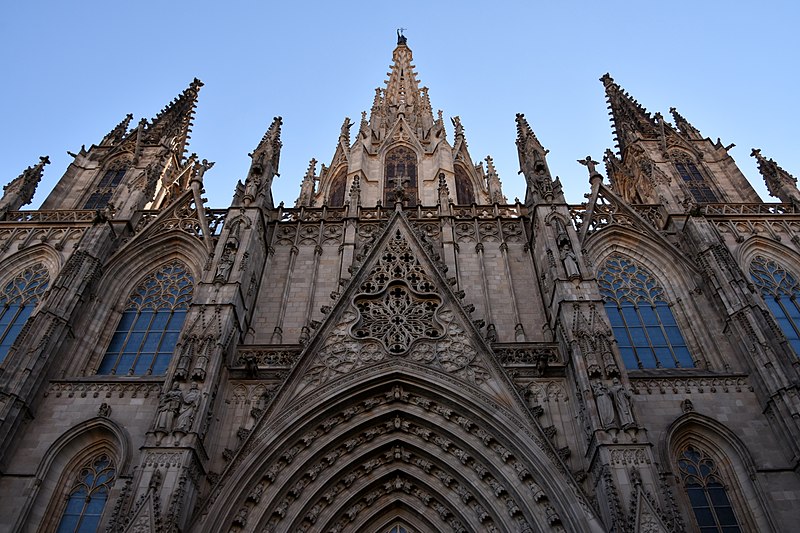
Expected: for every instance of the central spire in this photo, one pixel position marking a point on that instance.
(402, 96)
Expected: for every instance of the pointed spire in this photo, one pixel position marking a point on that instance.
(631, 120)
(264, 166)
(308, 185)
(496, 195)
(684, 126)
(344, 133)
(116, 135)
(533, 165)
(21, 190)
(173, 124)
(402, 96)
(444, 191)
(780, 183)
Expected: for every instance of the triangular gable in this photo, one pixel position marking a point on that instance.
(397, 310)
(401, 132)
(145, 519)
(182, 214)
(646, 517)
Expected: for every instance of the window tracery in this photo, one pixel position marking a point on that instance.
(707, 492)
(148, 330)
(17, 301)
(400, 176)
(87, 496)
(112, 177)
(641, 317)
(780, 290)
(694, 180)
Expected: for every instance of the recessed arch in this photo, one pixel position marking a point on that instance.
(400, 169)
(411, 404)
(731, 457)
(58, 465)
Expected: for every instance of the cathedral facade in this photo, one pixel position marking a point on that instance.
(404, 350)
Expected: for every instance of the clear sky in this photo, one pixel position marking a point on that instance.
(72, 70)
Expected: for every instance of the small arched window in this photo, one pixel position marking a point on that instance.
(780, 291)
(400, 176)
(465, 195)
(694, 180)
(88, 496)
(337, 190)
(18, 300)
(641, 317)
(111, 178)
(148, 330)
(707, 492)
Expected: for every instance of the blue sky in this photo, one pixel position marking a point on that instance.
(72, 70)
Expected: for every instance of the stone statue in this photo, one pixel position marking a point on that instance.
(189, 403)
(225, 265)
(569, 260)
(168, 407)
(605, 405)
(622, 402)
(590, 164)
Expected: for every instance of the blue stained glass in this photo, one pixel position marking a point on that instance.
(780, 289)
(149, 328)
(640, 317)
(88, 498)
(17, 302)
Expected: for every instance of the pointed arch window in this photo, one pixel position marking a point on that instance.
(337, 191)
(694, 180)
(148, 330)
(112, 177)
(400, 176)
(707, 492)
(465, 195)
(780, 291)
(641, 317)
(88, 496)
(17, 301)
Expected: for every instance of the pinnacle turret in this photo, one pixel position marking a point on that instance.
(533, 165)
(684, 126)
(493, 184)
(780, 183)
(116, 135)
(173, 124)
(20, 191)
(631, 120)
(307, 187)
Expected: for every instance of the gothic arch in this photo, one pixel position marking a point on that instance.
(466, 190)
(405, 152)
(337, 192)
(41, 253)
(123, 274)
(779, 252)
(60, 462)
(732, 458)
(395, 433)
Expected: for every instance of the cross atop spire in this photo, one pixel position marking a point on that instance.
(631, 120)
(173, 124)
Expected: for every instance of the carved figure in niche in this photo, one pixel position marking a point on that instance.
(189, 403)
(584, 346)
(565, 251)
(605, 405)
(251, 187)
(622, 402)
(199, 371)
(184, 360)
(225, 265)
(168, 408)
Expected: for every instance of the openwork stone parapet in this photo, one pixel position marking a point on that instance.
(688, 385)
(105, 388)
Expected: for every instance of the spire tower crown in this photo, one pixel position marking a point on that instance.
(631, 120)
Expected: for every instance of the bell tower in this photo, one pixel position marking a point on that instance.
(400, 152)
(673, 165)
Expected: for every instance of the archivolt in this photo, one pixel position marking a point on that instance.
(398, 440)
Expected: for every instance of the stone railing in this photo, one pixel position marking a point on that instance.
(748, 209)
(265, 355)
(71, 215)
(314, 214)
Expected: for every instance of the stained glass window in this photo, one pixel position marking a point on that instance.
(706, 492)
(88, 496)
(18, 300)
(148, 330)
(398, 529)
(780, 291)
(400, 176)
(464, 193)
(112, 177)
(695, 181)
(641, 317)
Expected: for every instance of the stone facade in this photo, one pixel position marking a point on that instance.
(403, 347)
